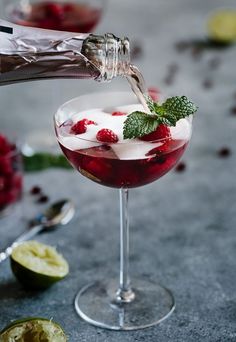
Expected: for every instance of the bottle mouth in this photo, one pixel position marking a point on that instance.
(109, 54)
(117, 61)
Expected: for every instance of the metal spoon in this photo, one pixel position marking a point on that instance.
(59, 213)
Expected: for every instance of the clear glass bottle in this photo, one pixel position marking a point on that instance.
(28, 54)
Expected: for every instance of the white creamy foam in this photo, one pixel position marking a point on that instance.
(133, 150)
(124, 149)
(104, 119)
(73, 143)
(182, 130)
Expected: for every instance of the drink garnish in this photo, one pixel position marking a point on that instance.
(80, 127)
(33, 329)
(222, 26)
(38, 266)
(107, 135)
(172, 110)
(161, 132)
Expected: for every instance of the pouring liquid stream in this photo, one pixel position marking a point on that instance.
(137, 84)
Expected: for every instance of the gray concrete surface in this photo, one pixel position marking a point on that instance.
(182, 226)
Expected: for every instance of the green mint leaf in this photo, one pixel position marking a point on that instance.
(179, 107)
(172, 110)
(138, 124)
(41, 161)
(154, 107)
(166, 119)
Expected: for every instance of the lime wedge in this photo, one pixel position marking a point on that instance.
(33, 330)
(222, 26)
(37, 265)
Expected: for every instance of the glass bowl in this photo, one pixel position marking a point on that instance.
(62, 15)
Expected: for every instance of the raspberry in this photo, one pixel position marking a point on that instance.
(98, 168)
(81, 126)
(11, 196)
(160, 150)
(49, 23)
(2, 183)
(69, 7)
(162, 132)
(118, 113)
(5, 165)
(153, 93)
(5, 146)
(2, 201)
(54, 10)
(107, 135)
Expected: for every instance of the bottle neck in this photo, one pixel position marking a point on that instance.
(109, 54)
(28, 54)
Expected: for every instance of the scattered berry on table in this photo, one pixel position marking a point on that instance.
(181, 167)
(224, 152)
(43, 199)
(35, 190)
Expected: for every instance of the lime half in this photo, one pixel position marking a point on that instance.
(33, 330)
(222, 26)
(37, 265)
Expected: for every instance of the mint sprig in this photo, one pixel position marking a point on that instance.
(138, 123)
(172, 110)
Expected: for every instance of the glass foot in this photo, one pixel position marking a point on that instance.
(96, 304)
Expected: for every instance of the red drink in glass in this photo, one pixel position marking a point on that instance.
(124, 164)
(92, 140)
(101, 165)
(53, 15)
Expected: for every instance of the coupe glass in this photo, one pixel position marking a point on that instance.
(63, 15)
(107, 303)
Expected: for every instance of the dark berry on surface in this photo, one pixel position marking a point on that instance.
(181, 167)
(233, 110)
(35, 190)
(43, 199)
(224, 152)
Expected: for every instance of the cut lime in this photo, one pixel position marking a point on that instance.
(33, 330)
(222, 26)
(37, 265)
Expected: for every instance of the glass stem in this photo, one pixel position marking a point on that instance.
(124, 294)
